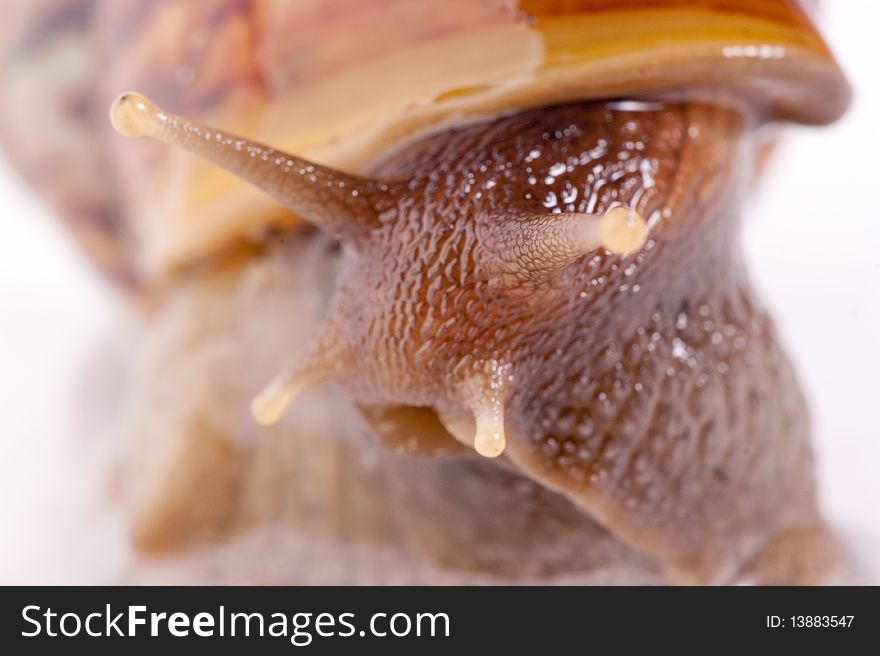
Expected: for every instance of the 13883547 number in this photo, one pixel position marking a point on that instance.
(811, 621)
(821, 621)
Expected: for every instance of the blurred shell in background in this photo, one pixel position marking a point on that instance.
(339, 82)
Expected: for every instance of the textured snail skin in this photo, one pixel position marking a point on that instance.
(316, 499)
(648, 388)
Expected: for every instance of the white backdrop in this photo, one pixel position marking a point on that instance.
(812, 236)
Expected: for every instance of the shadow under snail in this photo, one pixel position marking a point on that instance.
(538, 262)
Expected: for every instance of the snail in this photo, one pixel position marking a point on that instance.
(531, 211)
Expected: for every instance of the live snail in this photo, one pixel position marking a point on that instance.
(536, 204)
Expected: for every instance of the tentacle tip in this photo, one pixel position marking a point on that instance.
(623, 230)
(269, 405)
(132, 114)
(489, 446)
(489, 439)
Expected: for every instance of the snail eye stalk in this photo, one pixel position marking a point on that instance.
(538, 245)
(543, 244)
(339, 203)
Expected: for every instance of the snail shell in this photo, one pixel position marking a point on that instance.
(415, 69)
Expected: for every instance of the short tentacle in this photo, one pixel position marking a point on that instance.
(336, 202)
(322, 363)
(489, 437)
(541, 244)
(487, 392)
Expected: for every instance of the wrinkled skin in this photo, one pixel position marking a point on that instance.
(317, 499)
(650, 389)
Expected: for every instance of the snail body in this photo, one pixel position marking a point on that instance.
(538, 268)
(461, 295)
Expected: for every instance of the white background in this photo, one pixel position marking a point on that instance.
(812, 236)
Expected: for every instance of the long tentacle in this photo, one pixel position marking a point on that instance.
(336, 202)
